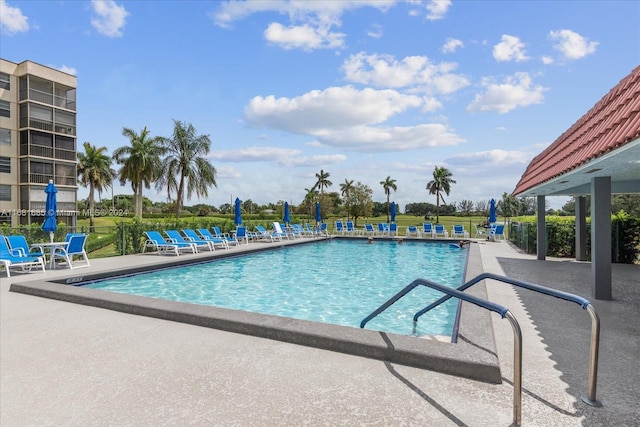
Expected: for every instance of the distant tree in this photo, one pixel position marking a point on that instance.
(379, 208)
(360, 201)
(388, 184)
(226, 208)
(509, 206)
(310, 199)
(441, 183)
(94, 171)
(140, 162)
(186, 169)
(345, 188)
(630, 203)
(466, 206)
(482, 207)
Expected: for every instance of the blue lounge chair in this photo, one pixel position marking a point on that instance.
(459, 231)
(73, 248)
(277, 229)
(393, 229)
(497, 232)
(323, 229)
(383, 228)
(205, 234)
(157, 242)
(439, 230)
(10, 258)
(225, 237)
(19, 243)
(427, 230)
(263, 234)
(369, 230)
(339, 227)
(412, 231)
(242, 235)
(176, 237)
(350, 228)
(193, 237)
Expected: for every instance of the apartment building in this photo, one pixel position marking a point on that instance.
(37, 142)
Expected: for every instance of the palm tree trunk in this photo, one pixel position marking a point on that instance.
(437, 207)
(179, 196)
(91, 208)
(388, 213)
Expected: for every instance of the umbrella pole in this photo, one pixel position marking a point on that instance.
(51, 236)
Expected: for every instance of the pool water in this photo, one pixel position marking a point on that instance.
(338, 281)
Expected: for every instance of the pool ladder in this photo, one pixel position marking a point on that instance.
(459, 293)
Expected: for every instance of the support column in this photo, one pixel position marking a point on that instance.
(581, 228)
(541, 234)
(601, 237)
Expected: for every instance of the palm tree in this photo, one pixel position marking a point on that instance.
(441, 182)
(323, 181)
(94, 170)
(186, 169)
(140, 162)
(345, 188)
(388, 185)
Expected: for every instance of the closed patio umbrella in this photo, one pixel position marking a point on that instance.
(318, 213)
(51, 206)
(238, 212)
(287, 217)
(492, 211)
(393, 211)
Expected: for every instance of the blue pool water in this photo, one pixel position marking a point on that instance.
(337, 281)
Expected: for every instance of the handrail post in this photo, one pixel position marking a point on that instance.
(590, 399)
(517, 369)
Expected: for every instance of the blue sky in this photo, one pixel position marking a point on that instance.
(360, 89)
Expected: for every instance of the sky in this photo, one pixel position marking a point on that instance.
(360, 89)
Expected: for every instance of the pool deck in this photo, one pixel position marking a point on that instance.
(70, 364)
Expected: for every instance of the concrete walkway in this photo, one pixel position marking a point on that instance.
(71, 365)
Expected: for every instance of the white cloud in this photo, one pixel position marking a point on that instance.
(437, 9)
(281, 156)
(375, 32)
(335, 107)
(491, 158)
(11, 19)
(68, 70)
(416, 72)
(303, 37)
(227, 172)
(451, 45)
(546, 60)
(510, 49)
(111, 18)
(571, 44)
(310, 24)
(516, 91)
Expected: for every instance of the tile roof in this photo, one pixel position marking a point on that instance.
(612, 123)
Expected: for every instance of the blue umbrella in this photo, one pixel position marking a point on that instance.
(393, 211)
(51, 206)
(238, 212)
(287, 218)
(318, 214)
(492, 211)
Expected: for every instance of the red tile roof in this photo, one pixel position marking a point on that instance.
(613, 122)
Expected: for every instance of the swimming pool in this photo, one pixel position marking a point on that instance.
(339, 281)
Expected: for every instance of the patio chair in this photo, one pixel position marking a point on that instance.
(176, 237)
(459, 231)
(192, 236)
(427, 230)
(9, 258)
(383, 228)
(497, 232)
(369, 230)
(74, 248)
(263, 234)
(243, 235)
(339, 227)
(224, 236)
(278, 230)
(412, 231)
(439, 230)
(163, 247)
(392, 230)
(19, 243)
(350, 228)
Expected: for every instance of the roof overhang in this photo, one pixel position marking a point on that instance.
(622, 165)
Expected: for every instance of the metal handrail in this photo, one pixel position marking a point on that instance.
(590, 399)
(502, 311)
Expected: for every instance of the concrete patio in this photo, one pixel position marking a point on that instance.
(74, 365)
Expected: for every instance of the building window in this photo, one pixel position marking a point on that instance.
(5, 165)
(5, 109)
(5, 83)
(5, 136)
(5, 193)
